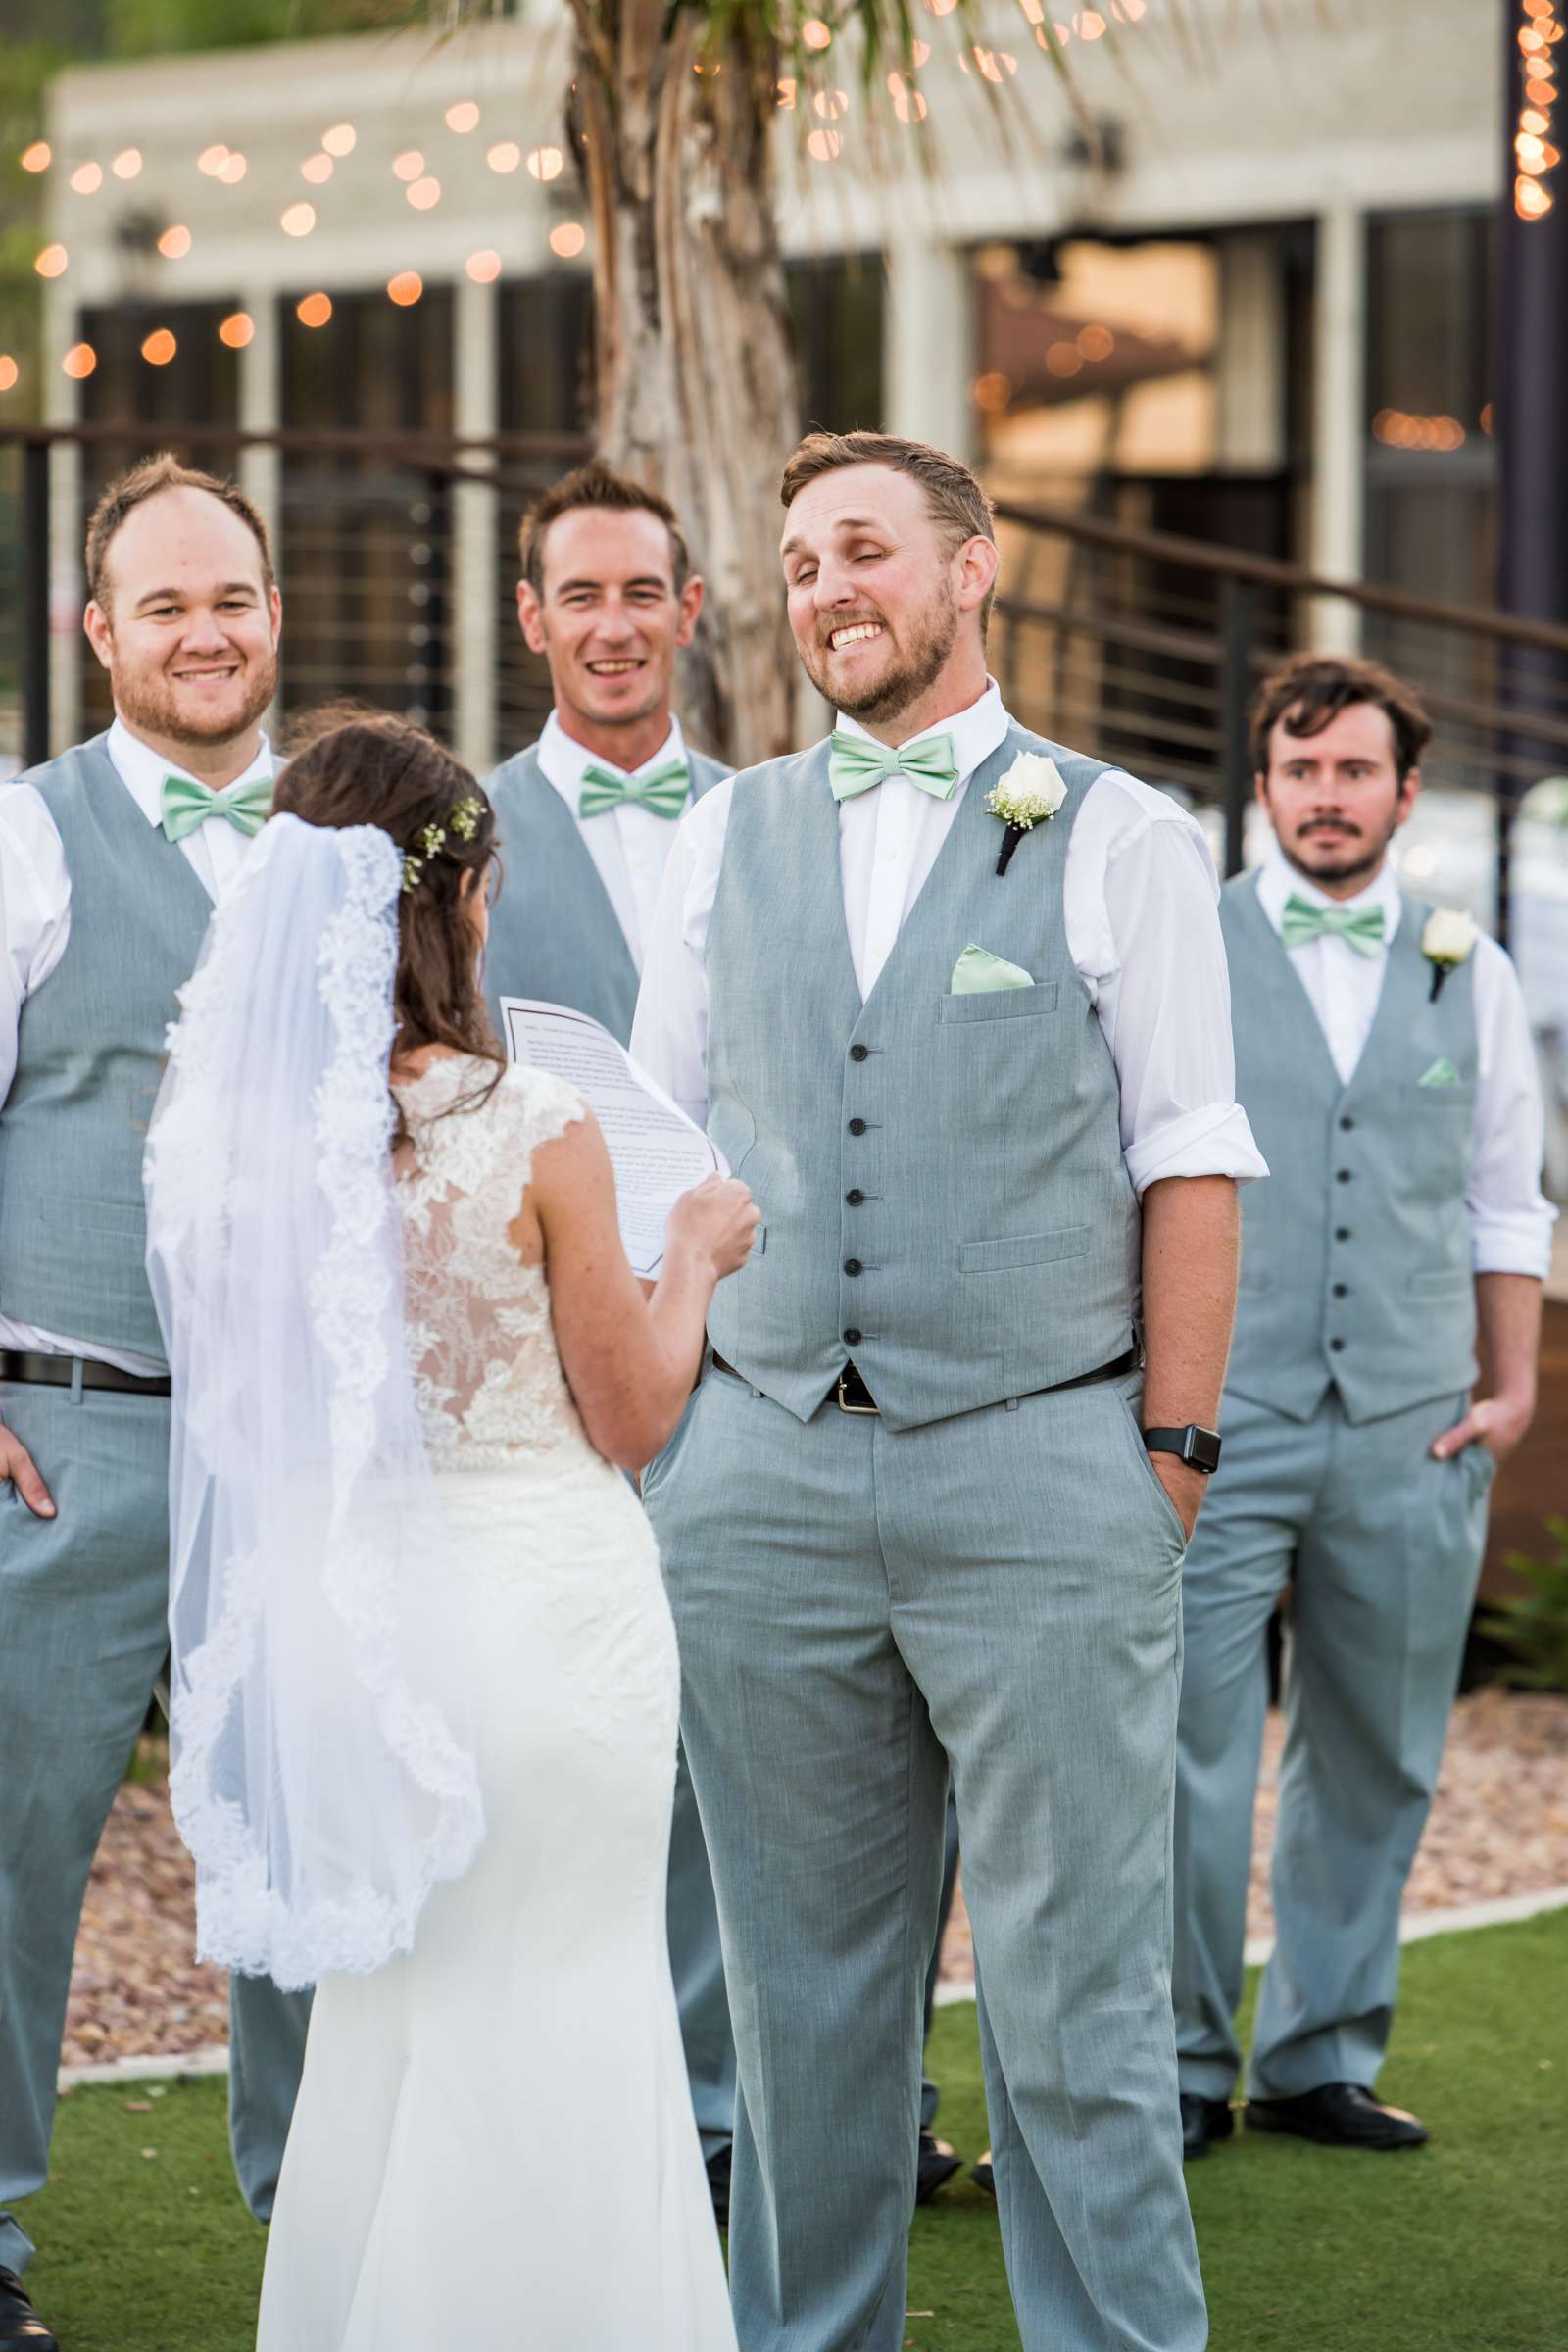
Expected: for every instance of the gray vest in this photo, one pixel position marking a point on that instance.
(553, 934)
(1355, 1251)
(89, 1058)
(941, 1177)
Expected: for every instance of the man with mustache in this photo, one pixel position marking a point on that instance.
(978, 1074)
(1384, 1058)
(111, 858)
(586, 817)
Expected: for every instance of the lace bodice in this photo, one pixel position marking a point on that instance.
(487, 1378)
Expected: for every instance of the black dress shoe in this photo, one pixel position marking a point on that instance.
(21, 2329)
(1339, 2115)
(983, 2174)
(1204, 2121)
(718, 2172)
(937, 2164)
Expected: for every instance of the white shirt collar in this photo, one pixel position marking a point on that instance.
(1278, 879)
(564, 761)
(142, 771)
(976, 732)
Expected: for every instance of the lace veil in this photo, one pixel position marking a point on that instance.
(324, 1773)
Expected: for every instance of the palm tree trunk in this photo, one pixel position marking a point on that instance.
(695, 367)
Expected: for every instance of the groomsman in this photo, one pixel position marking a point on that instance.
(929, 1504)
(586, 817)
(111, 858)
(1384, 1058)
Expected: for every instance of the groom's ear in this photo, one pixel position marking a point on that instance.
(977, 563)
(530, 619)
(691, 604)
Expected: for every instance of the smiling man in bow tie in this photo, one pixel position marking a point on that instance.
(111, 858)
(586, 817)
(1383, 1055)
(929, 1506)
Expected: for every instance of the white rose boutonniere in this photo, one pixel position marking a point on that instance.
(1030, 793)
(1448, 940)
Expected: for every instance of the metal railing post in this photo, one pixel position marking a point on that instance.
(35, 569)
(1238, 620)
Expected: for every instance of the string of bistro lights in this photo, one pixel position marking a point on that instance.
(1535, 157)
(567, 240)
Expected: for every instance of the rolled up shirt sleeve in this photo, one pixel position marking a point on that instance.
(1510, 1218)
(34, 911)
(1154, 957)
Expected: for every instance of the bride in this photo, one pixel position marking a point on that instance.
(425, 1681)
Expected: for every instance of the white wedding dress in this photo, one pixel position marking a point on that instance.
(494, 2146)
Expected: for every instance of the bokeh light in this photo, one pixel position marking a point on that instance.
(159, 348)
(297, 221)
(505, 156)
(87, 179)
(53, 262)
(79, 362)
(340, 140)
(314, 310)
(546, 163)
(9, 373)
(410, 165)
(126, 163)
(424, 194)
(38, 157)
(483, 267)
(174, 243)
(237, 330)
(406, 288)
(567, 240)
(463, 118)
(318, 170)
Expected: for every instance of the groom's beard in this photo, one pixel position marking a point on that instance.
(911, 670)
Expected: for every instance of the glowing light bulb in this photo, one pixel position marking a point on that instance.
(410, 165)
(297, 219)
(87, 179)
(38, 157)
(126, 163)
(505, 156)
(406, 287)
(546, 163)
(159, 348)
(463, 118)
(424, 194)
(340, 140)
(79, 362)
(212, 159)
(815, 34)
(9, 373)
(824, 146)
(318, 170)
(567, 240)
(53, 262)
(174, 243)
(233, 172)
(236, 330)
(483, 267)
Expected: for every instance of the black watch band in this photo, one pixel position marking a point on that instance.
(1199, 1447)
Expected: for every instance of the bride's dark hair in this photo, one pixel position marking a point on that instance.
(348, 766)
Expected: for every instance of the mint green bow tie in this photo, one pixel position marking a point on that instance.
(662, 792)
(185, 804)
(856, 765)
(1363, 930)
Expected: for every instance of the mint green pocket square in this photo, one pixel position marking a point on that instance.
(1442, 1073)
(977, 971)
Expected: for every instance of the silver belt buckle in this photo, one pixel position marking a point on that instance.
(853, 1408)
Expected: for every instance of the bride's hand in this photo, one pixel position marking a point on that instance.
(716, 1221)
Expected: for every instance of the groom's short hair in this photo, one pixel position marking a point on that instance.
(954, 497)
(140, 482)
(596, 484)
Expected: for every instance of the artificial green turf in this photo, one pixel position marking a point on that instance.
(1457, 2247)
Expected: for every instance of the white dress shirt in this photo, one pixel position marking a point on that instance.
(1142, 927)
(629, 845)
(35, 925)
(1511, 1222)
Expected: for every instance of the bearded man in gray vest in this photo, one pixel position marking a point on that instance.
(586, 817)
(978, 1071)
(1384, 1058)
(111, 858)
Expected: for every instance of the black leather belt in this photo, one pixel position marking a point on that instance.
(60, 1372)
(851, 1396)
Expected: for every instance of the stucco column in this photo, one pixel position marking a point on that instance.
(929, 342)
(1340, 396)
(474, 604)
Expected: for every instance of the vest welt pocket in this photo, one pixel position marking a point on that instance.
(1024, 1249)
(1439, 1281)
(1443, 1097)
(1000, 1003)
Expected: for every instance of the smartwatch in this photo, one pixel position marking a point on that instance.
(1197, 1446)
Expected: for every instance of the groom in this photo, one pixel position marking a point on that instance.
(586, 817)
(111, 858)
(929, 1503)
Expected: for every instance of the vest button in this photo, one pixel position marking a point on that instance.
(1336, 1344)
(857, 1126)
(859, 1053)
(855, 1197)
(852, 1337)
(1342, 1233)
(1347, 1122)
(1341, 1290)
(1342, 1175)
(853, 1265)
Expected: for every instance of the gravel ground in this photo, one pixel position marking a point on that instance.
(1499, 1826)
